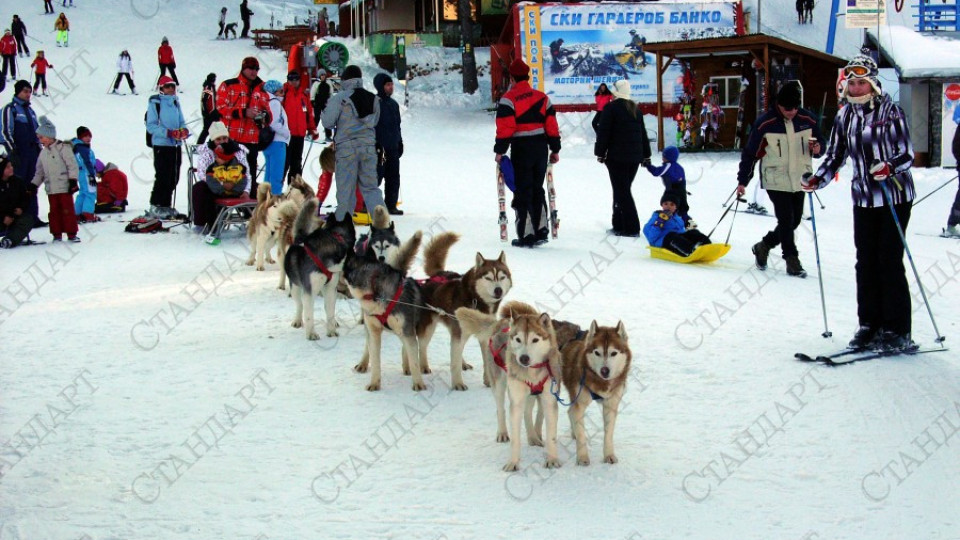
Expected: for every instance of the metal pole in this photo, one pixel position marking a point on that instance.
(934, 191)
(816, 248)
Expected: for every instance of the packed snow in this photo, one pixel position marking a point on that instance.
(151, 386)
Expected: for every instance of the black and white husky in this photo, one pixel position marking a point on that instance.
(381, 243)
(314, 263)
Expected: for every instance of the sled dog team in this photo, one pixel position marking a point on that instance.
(527, 355)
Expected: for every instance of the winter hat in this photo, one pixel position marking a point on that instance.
(250, 62)
(272, 86)
(226, 151)
(293, 76)
(224, 10)
(19, 86)
(321, 71)
(218, 129)
(621, 89)
(351, 72)
(46, 128)
(380, 81)
(165, 80)
(211, 77)
(6, 31)
(164, 40)
(518, 68)
(789, 95)
(83, 131)
(669, 196)
(863, 67)
(99, 166)
(671, 154)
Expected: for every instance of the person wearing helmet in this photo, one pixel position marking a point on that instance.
(873, 132)
(167, 61)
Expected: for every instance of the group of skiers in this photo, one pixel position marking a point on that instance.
(13, 45)
(231, 28)
(805, 11)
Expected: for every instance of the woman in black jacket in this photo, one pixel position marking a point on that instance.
(622, 144)
(15, 219)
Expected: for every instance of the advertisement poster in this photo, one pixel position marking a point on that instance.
(571, 49)
(866, 13)
(951, 116)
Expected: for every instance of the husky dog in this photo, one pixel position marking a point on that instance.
(389, 300)
(314, 263)
(267, 219)
(482, 287)
(525, 359)
(595, 367)
(382, 242)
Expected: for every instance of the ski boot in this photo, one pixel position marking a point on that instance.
(952, 231)
(794, 268)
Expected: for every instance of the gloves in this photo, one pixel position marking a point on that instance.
(645, 163)
(601, 159)
(554, 157)
(810, 182)
(74, 186)
(178, 134)
(880, 170)
(400, 149)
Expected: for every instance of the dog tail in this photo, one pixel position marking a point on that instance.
(515, 308)
(263, 192)
(435, 254)
(288, 211)
(381, 218)
(408, 251)
(306, 221)
(298, 184)
(473, 322)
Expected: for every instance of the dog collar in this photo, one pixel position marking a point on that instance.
(316, 260)
(498, 353)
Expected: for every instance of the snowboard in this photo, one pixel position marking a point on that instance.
(703, 254)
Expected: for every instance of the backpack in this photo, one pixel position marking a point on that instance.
(149, 138)
(145, 225)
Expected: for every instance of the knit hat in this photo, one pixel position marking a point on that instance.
(321, 71)
(165, 80)
(293, 76)
(621, 89)
(518, 68)
(19, 86)
(46, 128)
(671, 154)
(862, 67)
(272, 86)
(83, 131)
(789, 96)
(226, 151)
(218, 129)
(250, 62)
(98, 166)
(164, 40)
(351, 72)
(669, 196)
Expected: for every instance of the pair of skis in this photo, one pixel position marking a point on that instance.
(850, 356)
(551, 198)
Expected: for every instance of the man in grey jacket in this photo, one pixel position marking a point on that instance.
(354, 113)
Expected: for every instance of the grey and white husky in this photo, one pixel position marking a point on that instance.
(314, 263)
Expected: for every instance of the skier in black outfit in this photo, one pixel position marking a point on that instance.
(20, 34)
(208, 105)
(389, 141)
(245, 15)
(320, 98)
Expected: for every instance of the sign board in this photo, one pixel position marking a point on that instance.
(334, 2)
(866, 13)
(572, 48)
(950, 119)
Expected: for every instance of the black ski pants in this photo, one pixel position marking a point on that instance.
(47, 6)
(788, 207)
(173, 73)
(10, 65)
(253, 152)
(166, 167)
(120, 76)
(625, 219)
(294, 157)
(883, 295)
(245, 29)
(39, 79)
(19, 229)
(389, 174)
(21, 44)
(954, 218)
(529, 158)
(685, 243)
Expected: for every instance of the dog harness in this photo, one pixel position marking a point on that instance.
(435, 279)
(583, 377)
(535, 389)
(392, 304)
(316, 260)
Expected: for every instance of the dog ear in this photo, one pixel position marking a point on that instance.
(502, 258)
(622, 331)
(545, 320)
(593, 329)
(479, 262)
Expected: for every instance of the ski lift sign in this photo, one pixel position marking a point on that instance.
(572, 48)
(866, 13)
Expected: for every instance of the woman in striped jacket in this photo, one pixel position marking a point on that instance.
(872, 131)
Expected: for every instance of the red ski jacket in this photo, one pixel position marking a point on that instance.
(165, 55)
(525, 112)
(234, 97)
(8, 45)
(299, 111)
(113, 186)
(41, 65)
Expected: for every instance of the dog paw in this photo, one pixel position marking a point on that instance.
(360, 368)
(511, 466)
(260, 268)
(373, 387)
(417, 387)
(611, 459)
(282, 287)
(426, 369)
(583, 461)
(552, 463)
(313, 336)
(271, 261)
(534, 441)
(406, 370)
(297, 324)
(249, 263)
(460, 387)
(466, 366)
(332, 333)
(503, 437)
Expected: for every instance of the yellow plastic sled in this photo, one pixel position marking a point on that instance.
(703, 254)
(362, 218)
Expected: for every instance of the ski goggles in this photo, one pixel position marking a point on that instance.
(856, 71)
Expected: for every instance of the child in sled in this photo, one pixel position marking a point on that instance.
(665, 229)
(225, 176)
(675, 181)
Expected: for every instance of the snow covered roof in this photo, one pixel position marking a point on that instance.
(916, 55)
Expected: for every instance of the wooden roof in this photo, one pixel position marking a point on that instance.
(733, 44)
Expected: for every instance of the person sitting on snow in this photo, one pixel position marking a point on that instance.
(15, 217)
(674, 181)
(666, 230)
(112, 190)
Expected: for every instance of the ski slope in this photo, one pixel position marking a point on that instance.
(151, 387)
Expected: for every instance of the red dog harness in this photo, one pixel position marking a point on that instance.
(393, 303)
(316, 260)
(535, 389)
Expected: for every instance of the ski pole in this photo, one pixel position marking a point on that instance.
(725, 212)
(903, 239)
(816, 249)
(33, 38)
(934, 191)
(307, 157)
(57, 73)
(822, 207)
(724, 205)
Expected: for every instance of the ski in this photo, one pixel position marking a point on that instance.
(502, 199)
(738, 139)
(850, 356)
(552, 198)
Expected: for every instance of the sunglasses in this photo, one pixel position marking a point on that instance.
(856, 71)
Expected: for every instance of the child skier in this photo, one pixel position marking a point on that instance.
(86, 202)
(40, 65)
(57, 168)
(62, 26)
(124, 69)
(665, 229)
(674, 181)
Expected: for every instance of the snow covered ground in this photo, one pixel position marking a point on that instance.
(151, 387)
